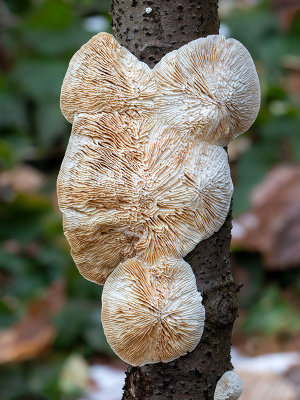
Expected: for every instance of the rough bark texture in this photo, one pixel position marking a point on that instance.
(149, 36)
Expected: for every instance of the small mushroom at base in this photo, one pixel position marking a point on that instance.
(229, 387)
(152, 313)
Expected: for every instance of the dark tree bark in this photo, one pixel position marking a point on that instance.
(149, 36)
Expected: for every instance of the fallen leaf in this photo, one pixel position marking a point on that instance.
(22, 179)
(287, 10)
(272, 226)
(35, 333)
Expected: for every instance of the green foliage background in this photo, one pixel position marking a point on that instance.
(37, 40)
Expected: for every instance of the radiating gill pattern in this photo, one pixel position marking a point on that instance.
(145, 178)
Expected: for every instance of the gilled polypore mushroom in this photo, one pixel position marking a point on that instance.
(157, 305)
(145, 178)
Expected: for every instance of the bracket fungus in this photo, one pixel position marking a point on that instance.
(158, 305)
(229, 387)
(145, 177)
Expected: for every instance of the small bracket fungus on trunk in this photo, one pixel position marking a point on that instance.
(145, 178)
(229, 387)
(157, 305)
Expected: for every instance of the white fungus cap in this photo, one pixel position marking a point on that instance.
(209, 86)
(152, 313)
(229, 387)
(144, 179)
(104, 76)
(144, 173)
(130, 187)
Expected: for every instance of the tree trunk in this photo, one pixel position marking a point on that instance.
(151, 29)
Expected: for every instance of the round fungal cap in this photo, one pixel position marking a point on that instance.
(229, 387)
(152, 313)
(137, 187)
(190, 187)
(104, 76)
(210, 86)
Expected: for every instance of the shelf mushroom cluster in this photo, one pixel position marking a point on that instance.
(145, 178)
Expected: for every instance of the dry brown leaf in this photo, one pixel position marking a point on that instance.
(287, 11)
(22, 179)
(272, 226)
(35, 333)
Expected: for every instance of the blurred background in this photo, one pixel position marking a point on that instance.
(51, 341)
